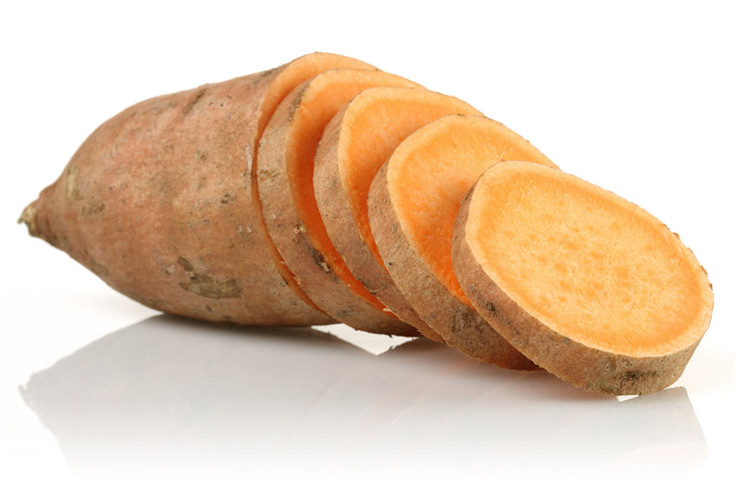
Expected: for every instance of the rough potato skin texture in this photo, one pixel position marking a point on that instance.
(285, 227)
(158, 203)
(585, 367)
(335, 208)
(459, 325)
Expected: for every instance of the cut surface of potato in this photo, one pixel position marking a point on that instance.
(285, 171)
(413, 204)
(588, 285)
(355, 144)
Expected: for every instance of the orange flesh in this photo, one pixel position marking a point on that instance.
(432, 171)
(587, 263)
(320, 101)
(376, 122)
(297, 72)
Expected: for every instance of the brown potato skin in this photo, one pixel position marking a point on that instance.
(158, 203)
(459, 325)
(339, 220)
(291, 238)
(585, 367)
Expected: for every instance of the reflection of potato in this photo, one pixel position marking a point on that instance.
(171, 386)
(168, 393)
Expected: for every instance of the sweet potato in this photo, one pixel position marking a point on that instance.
(355, 143)
(412, 206)
(250, 202)
(586, 284)
(158, 202)
(285, 168)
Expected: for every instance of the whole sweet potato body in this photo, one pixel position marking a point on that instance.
(158, 202)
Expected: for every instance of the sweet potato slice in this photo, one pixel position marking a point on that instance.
(412, 205)
(586, 284)
(355, 144)
(285, 169)
(158, 202)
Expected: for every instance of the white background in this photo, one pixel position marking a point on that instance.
(634, 96)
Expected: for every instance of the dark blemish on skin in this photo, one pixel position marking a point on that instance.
(631, 376)
(491, 307)
(207, 287)
(316, 256)
(296, 103)
(267, 175)
(61, 241)
(368, 288)
(187, 109)
(154, 303)
(263, 75)
(227, 199)
(462, 320)
(98, 268)
(93, 208)
(160, 106)
(497, 314)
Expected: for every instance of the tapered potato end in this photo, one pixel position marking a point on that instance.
(28, 218)
(584, 283)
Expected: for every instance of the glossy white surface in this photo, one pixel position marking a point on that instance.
(165, 392)
(96, 390)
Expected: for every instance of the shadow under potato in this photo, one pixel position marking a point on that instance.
(171, 393)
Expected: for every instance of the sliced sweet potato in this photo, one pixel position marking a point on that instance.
(158, 202)
(586, 284)
(355, 144)
(413, 203)
(285, 169)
